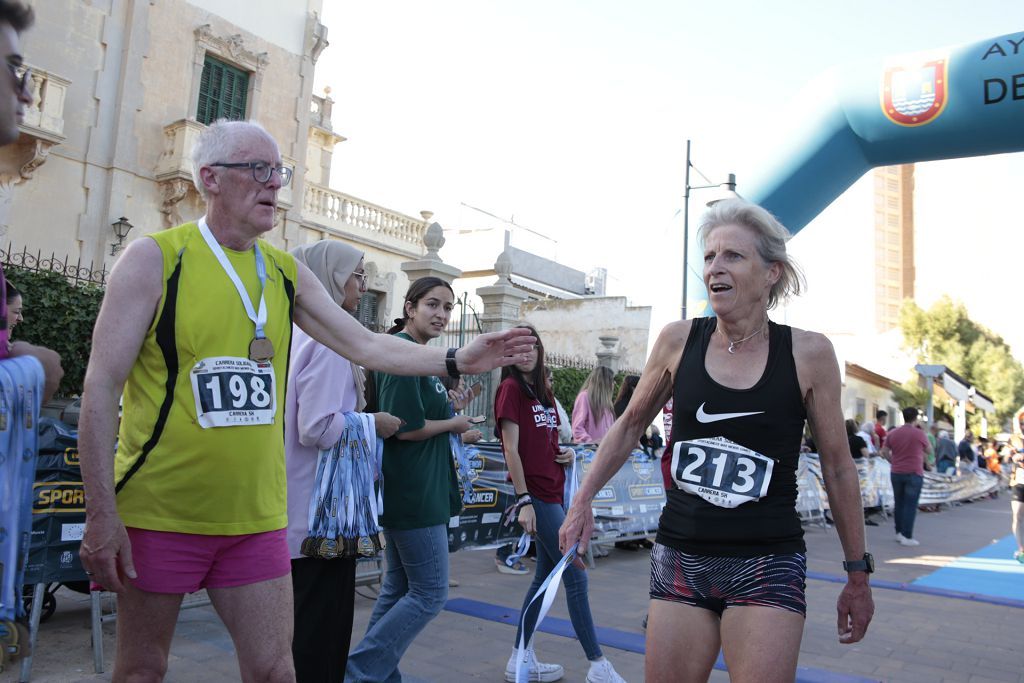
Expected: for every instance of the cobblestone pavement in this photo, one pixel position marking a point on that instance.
(914, 637)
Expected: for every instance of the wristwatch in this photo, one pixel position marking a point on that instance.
(866, 565)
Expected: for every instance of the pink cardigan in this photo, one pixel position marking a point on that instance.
(586, 427)
(320, 390)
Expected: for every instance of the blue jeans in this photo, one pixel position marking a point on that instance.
(906, 489)
(549, 518)
(945, 466)
(414, 591)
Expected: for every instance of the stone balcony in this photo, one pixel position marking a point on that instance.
(41, 129)
(347, 216)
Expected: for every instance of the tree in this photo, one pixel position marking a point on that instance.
(946, 335)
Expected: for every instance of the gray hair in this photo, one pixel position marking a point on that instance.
(868, 427)
(943, 434)
(771, 242)
(217, 143)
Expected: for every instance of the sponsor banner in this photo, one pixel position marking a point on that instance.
(630, 504)
(58, 508)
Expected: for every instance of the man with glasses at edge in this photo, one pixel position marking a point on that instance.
(196, 328)
(15, 95)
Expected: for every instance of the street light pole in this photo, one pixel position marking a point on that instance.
(730, 183)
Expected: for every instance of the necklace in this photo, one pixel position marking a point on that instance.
(733, 344)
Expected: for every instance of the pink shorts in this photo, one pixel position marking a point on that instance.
(170, 562)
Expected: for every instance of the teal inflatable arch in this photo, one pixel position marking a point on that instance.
(941, 104)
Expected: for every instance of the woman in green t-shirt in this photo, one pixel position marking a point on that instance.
(420, 493)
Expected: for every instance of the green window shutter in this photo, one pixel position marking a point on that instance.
(223, 90)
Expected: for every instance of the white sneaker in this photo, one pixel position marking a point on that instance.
(908, 541)
(539, 672)
(899, 537)
(603, 672)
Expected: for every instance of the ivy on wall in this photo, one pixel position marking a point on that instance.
(58, 316)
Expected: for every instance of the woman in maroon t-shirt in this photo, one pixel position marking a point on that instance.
(527, 423)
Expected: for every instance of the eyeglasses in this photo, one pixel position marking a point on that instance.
(21, 74)
(362, 277)
(261, 171)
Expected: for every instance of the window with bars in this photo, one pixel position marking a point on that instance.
(366, 313)
(223, 91)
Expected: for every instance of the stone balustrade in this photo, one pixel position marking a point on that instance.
(342, 213)
(44, 118)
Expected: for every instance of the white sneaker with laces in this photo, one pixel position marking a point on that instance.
(909, 541)
(539, 672)
(602, 671)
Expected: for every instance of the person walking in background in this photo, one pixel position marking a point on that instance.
(867, 432)
(625, 393)
(965, 451)
(421, 493)
(593, 412)
(524, 410)
(945, 453)
(564, 423)
(1017, 503)
(880, 427)
(858, 447)
(322, 387)
(907, 447)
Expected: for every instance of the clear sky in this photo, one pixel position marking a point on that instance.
(571, 117)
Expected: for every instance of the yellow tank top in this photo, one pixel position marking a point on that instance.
(171, 474)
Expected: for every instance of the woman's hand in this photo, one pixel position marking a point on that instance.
(386, 424)
(459, 424)
(528, 519)
(472, 436)
(565, 456)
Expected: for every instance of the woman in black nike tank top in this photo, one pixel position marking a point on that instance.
(728, 568)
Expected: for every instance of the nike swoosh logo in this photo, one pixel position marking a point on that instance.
(706, 418)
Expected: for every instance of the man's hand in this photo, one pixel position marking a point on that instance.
(494, 350)
(105, 548)
(472, 436)
(855, 607)
(578, 526)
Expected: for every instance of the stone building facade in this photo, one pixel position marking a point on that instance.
(121, 90)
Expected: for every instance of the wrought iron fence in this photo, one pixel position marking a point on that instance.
(463, 327)
(76, 273)
(564, 360)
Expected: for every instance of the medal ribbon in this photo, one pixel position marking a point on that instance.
(258, 318)
(462, 468)
(547, 592)
(344, 504)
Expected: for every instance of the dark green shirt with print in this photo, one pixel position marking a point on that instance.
(420, 487)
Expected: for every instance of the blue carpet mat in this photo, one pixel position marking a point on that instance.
(990, 571)
(620, 640)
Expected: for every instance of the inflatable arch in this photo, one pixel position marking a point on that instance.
(941, 104)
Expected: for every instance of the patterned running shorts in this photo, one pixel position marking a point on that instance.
(715, 583)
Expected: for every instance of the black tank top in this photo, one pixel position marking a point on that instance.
(772, 425)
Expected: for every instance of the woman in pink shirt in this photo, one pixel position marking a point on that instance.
(592, 414)
(322, 387)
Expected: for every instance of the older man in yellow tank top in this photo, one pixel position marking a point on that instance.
(195, 329)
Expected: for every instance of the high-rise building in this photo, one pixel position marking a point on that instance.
(894, 242)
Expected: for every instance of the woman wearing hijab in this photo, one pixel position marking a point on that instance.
(322, 387)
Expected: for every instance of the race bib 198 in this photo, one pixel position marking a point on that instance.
(231, 391)
(720, 471)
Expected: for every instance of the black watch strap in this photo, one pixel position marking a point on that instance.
(450, 365)
(866, 565)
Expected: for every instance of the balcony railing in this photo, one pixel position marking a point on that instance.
(341, 212)
(44, 118)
